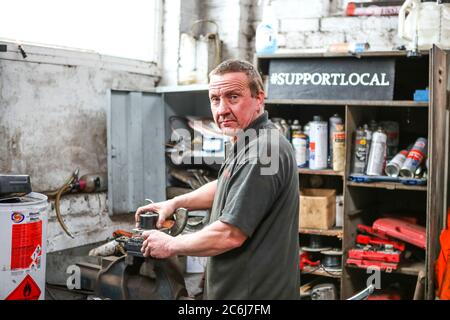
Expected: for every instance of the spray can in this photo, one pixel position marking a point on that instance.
(377, 155)
(306, 132)
(300, 142)
(333, 122)
(295, 127)
(373, 125)
(338, 143)
(393, 167)
(392, 131)
(359, 152)
(368, 132)
(318, 146)
(415, 157)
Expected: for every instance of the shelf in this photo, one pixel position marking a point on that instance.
(406, 268)
(338, 232)
(326, 172)
(321, 272)
(387, 185)
(363, 103)
(326, 54)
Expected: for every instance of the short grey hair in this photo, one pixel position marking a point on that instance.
(255, 82)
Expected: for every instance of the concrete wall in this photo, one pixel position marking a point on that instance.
(53, 109)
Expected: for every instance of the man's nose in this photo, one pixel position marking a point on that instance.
(223, 107)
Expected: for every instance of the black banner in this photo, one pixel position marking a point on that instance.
(332, 78)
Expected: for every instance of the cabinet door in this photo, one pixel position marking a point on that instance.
(136, 163)
(437, 150)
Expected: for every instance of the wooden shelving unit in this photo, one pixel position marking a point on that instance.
(371, 103)
(387, 185)
(318, 271)
(336, 232)
(325, 172)
(405, 268)
(365, 202)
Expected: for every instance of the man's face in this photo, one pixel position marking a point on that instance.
(232, 104)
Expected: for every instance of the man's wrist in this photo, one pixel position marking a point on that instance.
(177, 202)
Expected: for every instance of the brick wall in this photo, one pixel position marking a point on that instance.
(312, 25)
(304, 25)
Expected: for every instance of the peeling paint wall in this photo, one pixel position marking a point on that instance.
(53, 107)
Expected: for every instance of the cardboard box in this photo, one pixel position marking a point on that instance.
(317, 208)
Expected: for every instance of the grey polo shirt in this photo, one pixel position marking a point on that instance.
(258, 192)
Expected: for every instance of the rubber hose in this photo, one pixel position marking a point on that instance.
(61, 191)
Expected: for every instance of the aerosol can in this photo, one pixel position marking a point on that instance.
(392, 131)
(333, 122)
(359, 152)
(368, 132)
(393, 167)
(377, 155)
(415, 157)
(338, 143)
(318, 146)
(295, 127)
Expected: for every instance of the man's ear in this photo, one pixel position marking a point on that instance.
(260, 97)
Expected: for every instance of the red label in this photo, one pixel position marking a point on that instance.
(26, 290)
(312, 146)
(416, 155)
(26, 245)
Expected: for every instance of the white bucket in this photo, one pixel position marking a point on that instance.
(23, 238)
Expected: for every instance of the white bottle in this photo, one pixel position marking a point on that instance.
(266, 32)
(428, 24)
(318, 144)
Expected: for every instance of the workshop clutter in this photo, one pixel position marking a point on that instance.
(320, 145)
(383, 244)
(319, 255)
(195, 140)
(376, 155)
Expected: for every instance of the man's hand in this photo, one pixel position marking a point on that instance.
(164, 209)
(157, 244)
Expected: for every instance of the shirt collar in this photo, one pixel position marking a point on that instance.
(259, 122)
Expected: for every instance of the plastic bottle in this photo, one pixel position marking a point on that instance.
(318, 144)
(266, 32)
(300, 142)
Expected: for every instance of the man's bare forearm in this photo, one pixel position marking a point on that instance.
(212, 240)
(200, 199)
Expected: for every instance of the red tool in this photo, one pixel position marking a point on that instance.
(399, 229)
(367, 240)
(304, 261)
(386, 256)
(384, 266)
(370, 231)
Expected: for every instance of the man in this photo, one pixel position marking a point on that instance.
(252, 239)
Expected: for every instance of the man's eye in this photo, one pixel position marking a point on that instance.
(214, 100)
(234, 97)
